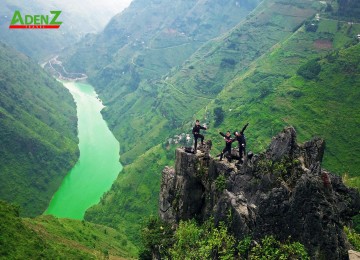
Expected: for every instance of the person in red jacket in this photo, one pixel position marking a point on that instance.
(228, 142)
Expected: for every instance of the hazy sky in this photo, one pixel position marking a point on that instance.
(115, 6)
(101, 11)
(95, 13)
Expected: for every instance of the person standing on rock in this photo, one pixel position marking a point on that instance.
(240, 137)
(196, 132)
(228, 142)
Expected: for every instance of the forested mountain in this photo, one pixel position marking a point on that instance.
(38, 133)
(282, 64)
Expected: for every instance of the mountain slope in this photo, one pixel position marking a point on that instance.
(279, 96)
(137, 48)
(178, 94)
(38, 133)
(47, 237)
(170, 102)
(152, 29)
(263, 87)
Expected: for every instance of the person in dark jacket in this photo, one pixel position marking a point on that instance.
(239, 136)
(196, 132)
(228, 142)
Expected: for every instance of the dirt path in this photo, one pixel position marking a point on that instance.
(70, 76)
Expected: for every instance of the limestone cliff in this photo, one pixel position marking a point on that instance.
(283, 192)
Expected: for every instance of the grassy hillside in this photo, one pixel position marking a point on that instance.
(47, 237)
(143, 39)
(171, 100)
(140, 46)
(273, 69)
(38, 133)
(212, 67)
(270, 95)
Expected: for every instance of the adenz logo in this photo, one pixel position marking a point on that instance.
(35, 21)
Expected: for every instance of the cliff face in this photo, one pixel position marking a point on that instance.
(282, 191)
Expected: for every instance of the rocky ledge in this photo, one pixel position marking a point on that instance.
(282, 192)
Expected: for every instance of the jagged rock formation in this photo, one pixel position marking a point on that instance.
(283, 192)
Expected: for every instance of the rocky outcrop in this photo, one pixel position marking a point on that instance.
(353, 255)
(283, 192)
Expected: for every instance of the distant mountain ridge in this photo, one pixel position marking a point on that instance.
(79, 19)
(38, 133)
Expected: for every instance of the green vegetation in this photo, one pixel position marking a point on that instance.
(37, 133)
(47, 237)
(310, 69)
(270, 248)
(128, 64)
(349, 9)
(353, 237)
(16, 239)
(356, 223)
(218, 116)
(252, 73)
(278, 97)
(82, 236)
(135, 194)
(207, 241)
(353, 182)
(156, 236)
(220, 183)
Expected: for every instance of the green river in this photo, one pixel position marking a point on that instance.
(98, 165)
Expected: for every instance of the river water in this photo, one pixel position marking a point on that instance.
(98, 165)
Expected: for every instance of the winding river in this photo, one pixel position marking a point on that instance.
(98, 165)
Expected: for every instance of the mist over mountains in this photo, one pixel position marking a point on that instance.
(79, 19)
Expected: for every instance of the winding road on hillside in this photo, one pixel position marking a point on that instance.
(60, 75)
(192, 95)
